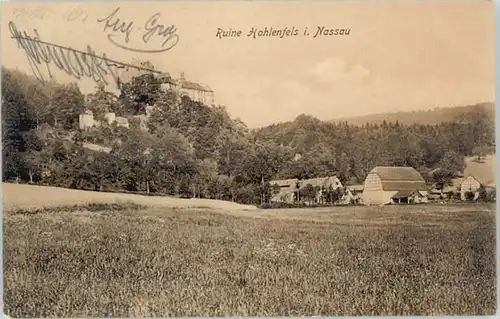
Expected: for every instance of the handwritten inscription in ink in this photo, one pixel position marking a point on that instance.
(77, 14)
(76, 63)
(31, 12)
(156, 36)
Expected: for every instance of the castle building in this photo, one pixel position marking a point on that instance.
(195, 91)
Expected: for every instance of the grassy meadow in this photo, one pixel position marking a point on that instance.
(131, 259)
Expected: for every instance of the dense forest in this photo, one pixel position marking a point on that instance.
(193, 150)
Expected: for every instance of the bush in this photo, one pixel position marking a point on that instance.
(469, 196)
(483, 195)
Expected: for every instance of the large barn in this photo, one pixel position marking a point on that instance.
(386, 185)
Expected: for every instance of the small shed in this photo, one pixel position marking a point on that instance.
(410, 197)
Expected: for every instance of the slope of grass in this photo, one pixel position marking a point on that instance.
(22, 196)
(129, 262)
(484, 170)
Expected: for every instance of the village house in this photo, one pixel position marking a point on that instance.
(290, 189)
(388, 185)
(320, 184)
(352, 194)
(122, 122)
(87, 120)
(469, 187)
(286, 192)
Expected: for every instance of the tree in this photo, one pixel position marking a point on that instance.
(469, 196)
(481, 151)
(331, 195)
(67, 103)
(140, 92)
(453, 162)
(483, 194)
(207, 174)
(309, 193)
(34, 153)
(101, 102)
(164, 112)
(441, 178)
(275, 190)
(16, 122)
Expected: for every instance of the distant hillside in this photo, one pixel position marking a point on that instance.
(435, 116)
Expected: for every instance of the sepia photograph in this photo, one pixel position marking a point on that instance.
(248, 158)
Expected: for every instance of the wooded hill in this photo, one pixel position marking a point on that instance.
(194, 150)
(427, 117)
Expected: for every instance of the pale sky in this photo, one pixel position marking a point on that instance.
(398, 56)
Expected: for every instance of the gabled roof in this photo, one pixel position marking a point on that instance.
(402, 194)
(484, 171)
(320, 181)
(408, 193)
(285, 182)
(387, 173)
(457, 182)
(399, 178)
(356, 188)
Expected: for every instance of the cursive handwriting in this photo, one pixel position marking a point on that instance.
(152, 29)
(117, 25)
(73, 62)
(77, 13)
(30, 13)
(168, 33)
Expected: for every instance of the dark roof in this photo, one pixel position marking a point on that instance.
(397, 173)
(399, 178)
(446, 189)
(285, 182)
(402, 194)
(319, 181)
(407, 193)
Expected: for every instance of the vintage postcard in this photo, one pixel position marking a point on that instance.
(332, 158)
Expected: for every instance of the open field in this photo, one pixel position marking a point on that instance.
(124, 260)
